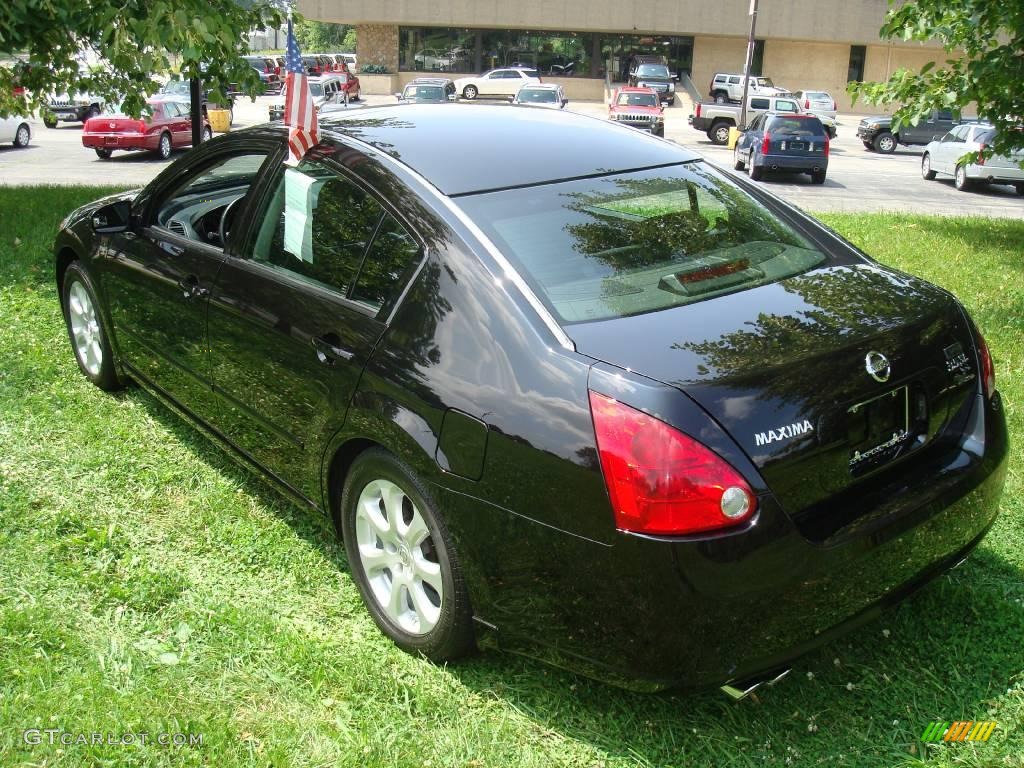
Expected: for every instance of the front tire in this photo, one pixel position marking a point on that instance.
(89, 339)
(403, 560)
(469, 92)
(163, 149)
(1019, 188)
(22, 136)
(960, 180)
(885, 143)
(926, 168)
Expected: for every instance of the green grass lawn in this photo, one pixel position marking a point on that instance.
(148, 584)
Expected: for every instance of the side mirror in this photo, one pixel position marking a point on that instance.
(676, 78)
(511, 99)
(564, 102)
(398, 96)
(113, 217)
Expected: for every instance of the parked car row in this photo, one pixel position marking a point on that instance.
(328, 89)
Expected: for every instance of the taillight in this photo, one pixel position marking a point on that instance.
(661, 481)
(826, 144)
(697, 113)
(833, 105)
(988, 370)
(981, 155)
(140, 126)
(766, 144)
(807, 103)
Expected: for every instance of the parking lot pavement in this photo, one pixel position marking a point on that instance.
(858, 180)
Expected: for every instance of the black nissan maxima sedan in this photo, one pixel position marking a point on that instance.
(564, 387)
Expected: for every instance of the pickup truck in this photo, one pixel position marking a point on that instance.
(78, 107)
(717, 119)
(877, 135)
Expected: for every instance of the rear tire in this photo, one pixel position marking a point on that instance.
(22, 136)
(50, 121)
(103, 154)
(926, 168)
(719, 133)
(469, 92)
(756, 171)
(818, 177)
(403, 560)
(737, 160)
(885, 143)
(163, 149)
(94, 111)
(1020, 189)
(89, 340)
(207, 134)
(960, 180)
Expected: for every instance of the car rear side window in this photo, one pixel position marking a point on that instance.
(633, 243)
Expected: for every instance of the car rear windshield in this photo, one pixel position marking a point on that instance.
(424, 92)
(538, 95)
(796, 126)
(652, 70)
(632, 243)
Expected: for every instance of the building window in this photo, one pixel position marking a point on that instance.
(617, 50)
(857, 55)
(757, 62)
(440, 49)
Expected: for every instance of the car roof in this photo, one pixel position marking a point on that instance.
(429, 80)
(637, 89)
(541, 87)
(487, 147)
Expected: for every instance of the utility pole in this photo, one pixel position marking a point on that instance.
(746, 68)
(195, 92)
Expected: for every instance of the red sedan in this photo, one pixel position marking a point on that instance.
(169, 127)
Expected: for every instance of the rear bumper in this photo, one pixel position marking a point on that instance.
(995, 175)
(700, 123)
(119, 141)
(793, 162)
(654, 612)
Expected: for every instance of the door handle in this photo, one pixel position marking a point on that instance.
(328, 350)
(170, 248)
(191, 289)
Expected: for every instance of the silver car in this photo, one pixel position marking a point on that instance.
(541, 95)
(958, 154)
(818, 102)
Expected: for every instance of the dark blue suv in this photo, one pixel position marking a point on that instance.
(783, 142)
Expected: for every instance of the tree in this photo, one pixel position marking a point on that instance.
(989, 73)
(44, 47)
(321, 37)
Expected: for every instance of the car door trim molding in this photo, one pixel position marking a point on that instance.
(509, 272)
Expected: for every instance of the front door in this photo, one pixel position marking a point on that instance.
(157, 277)
(296, 314)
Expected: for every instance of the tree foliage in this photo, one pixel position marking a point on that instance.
(990, 73)
(320, 37)
(44, 45)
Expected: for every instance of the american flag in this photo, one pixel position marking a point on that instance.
(298, 104)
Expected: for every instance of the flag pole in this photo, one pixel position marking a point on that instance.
(746, 67)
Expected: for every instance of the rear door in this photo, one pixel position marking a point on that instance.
(296, 312)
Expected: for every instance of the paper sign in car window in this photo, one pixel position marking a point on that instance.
(300, 196)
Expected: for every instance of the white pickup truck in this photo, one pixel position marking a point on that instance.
(717, 119)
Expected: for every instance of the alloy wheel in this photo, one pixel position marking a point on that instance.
(398, 558)
(22, 137)
(85, 329)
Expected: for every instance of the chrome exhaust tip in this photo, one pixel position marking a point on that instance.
(738, 690)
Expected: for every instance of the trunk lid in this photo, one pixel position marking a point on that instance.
(784, 368)
(115, 124)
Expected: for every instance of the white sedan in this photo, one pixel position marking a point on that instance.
(16, 130)
(958, 153)
(497, 82)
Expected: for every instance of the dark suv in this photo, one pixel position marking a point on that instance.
(653, 72)
(877, 134)
(783, 142)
